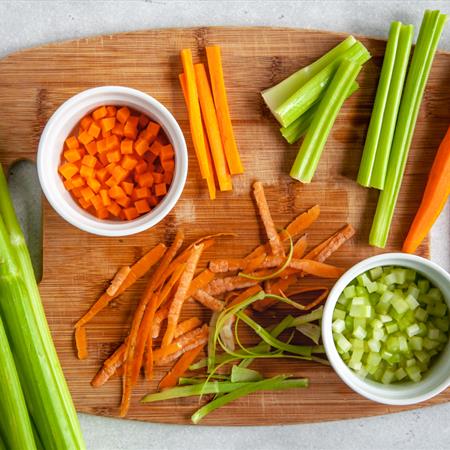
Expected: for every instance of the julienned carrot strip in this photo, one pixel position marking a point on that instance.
(200, 341)
(222, 109)
(118, 280)
(160, 316)
(187, 325)
(244, 295)
(164, 293)
(219, 286)
(137, 271)
(272, 234)
(208, 300)
(226, 265)
(212, 128)
(200, 281)
(434, 198)
(253, 264)
(316, 268)
(81, 342)
(180, 294)
(109, 367)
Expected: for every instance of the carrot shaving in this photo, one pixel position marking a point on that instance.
(181, 366)
(256, 262)
(118, 280)
(316, 268)
(219, 286)
(81, 342)
(168, 287)
(200, 281)
(160, 316)
(187, 325)
(227, 265)
(208, 300)
(244, 295)
(109, 366)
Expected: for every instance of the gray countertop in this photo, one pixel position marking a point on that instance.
(31, 23)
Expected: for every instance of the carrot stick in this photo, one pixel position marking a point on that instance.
(274, 239)
(180, 367)
(212, 128)
(244, 295)
(109, 366)
(200, 281)
(206, 168)
(118, 280)
(222, 109)
(81, 342)
(316, 268)
(167, 288)
(180, 294)
(219, 286)
(434, 197)
(253, 264)
(208, 300)
(137, 271)
(187, 325)
(301, 223)
(226, 265)
(160, 316)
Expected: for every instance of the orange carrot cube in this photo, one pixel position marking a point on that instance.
(72, 142)
(166, 152)
(68, 170)
(86, 171)
(126, 147)
(84, 137)
(111, 111)
(116, 192)
(160, 189)
(103, 159)
(101, 146)
(101, 174)
(78, 181)
(129, 162)
(107, 124)
(142, 206)
(72, 155)
(99, 113)
(123, 114)
(153, 129)
(106, 134)
(145, 179)
(114, 209)
(133, 121)
(94, 184)
(150, 157)
(92, 148)
(168, 165)
(85, 122)
(130, 213)
(112, 143)
(89, 160)
(110, 182)
(140, 167)
(152, 200)
(129, 130)
(76, 192)
(141, 146)
(105, 197)
(97, 202)
(102, 213)
(94, 130)
(118, 129)
(168, 176)
(127, 187)
(68, 184)
(155, 148)
(158, 177)
(143, 121)
(113, 156)
(143, 192)
(123, 201)
(84, 204)
(87, 193)
(119, 173)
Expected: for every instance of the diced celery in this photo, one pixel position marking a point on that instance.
(423, 285)
(356, 357)
(413, 330)
(342, 343)
(374, 345)
(358, 322)
(361, 291)
(357, 344)
(338, 326)
(414, 291)
(433, 333)
(442, 324)
(350, 291)
(438, 310)
(391, 327)
(420, 314)
(376, 273)
(435, 294)
(390, 278)
(388, 376)
(422, 356)
(423, 329)
(386, 355)
(363, 280)
(410, 275)
(378, 334)
(392, 344)
(385, 318)
(359, 333)
(442, 337)
(360, 311)
(416, 343)
(400, 373)
(403, 344)
(400, 305)
(373, 359)
(362, 372)
(343, 300)
(429, 344)
(381, 287)
(376, 323)
(339, 314)
(412, 302)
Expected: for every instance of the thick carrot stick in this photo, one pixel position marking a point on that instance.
(109, 366)
(219, 286)
(222, 109)
(244, 295)
(200, 281)
(434, 198)
(212, 128)
(118, 280)
(208, 300)
(187, 325)
(180, 367)
(81, 342)
(160, 316)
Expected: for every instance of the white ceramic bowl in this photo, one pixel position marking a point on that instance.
(58, 129)
(435, 380)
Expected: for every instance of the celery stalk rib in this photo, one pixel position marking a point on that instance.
(46, 392)
(311, 149)
(391, 111)
(276, 95)
(15, 423)
(381, 97)
(430, 32)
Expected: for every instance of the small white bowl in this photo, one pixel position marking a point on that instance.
(434, 381)
(60, 126)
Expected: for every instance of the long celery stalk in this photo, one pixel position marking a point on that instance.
(430, 32)
(2, 444)
(15, 423)
(42, 380)
(391, 111)
(276, 95)
(311, 149)
(312, 90)
(381, 98)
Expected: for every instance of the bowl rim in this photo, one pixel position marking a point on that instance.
(67, 208)
(366, 388)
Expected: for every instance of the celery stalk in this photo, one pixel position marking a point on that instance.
(47, 396)
(311, 149)
(381, 98)
(392, 106)
(312, 90)
(300, 126)
(430, 32)
(2, 444)
(15, 423)
(276, 95)
(316, 314)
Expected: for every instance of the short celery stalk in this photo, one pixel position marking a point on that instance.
(379, 106)
(42, 380)
(311, 149)
(430, 32)
(392, 108)
(276, 95)
(15, 424)
(299, 127)
(299, 102)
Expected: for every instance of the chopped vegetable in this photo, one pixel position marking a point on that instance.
(110, 366)
(243, 374)
(434, 198)
(208, 300)
(118, 280)
(81, 342)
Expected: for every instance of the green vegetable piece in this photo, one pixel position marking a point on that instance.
(242, 374)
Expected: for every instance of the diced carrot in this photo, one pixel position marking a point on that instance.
(153, 128)
(131, 213)
(133, 121)
(143, 192)
(111, 181)
(122, 215)
(150, 157)
(126, 147)
(145, 179)
(119, 173)
(72, 142)
(124, 201)
(92, 148)
(141, 146)
(114, 209)
(103, 159)
(68, 170)
(112, 143)
(127, 187)
(153, 200)
(97, 202)
(89, 160)
(68, 184)
(123, 114)
(129, 130)
(86, 171)
(106, 134)
(105, 197)
(101, 174)
(83, 203)
(110, 167)
(168, 176)
(129, 162)
(76, 192)
(72, 155)
(99, 113)
(94, 184)
(143, 120)
(101, 146)
(102, 213)
(155, 148)
(160, 189)
(85, 122)
(107, 124)
(142, 206)
(140, 168)
(116, 192)
(118, 129)
(113, 156)
(168, 165)
(94, 130)
(158, 177)
(166, 152)
(87, 193)
(111, 111)
(78, 181)
(85, 138)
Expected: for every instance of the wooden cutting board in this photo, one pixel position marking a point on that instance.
(77, 266)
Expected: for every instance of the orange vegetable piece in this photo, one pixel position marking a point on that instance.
(168, 176)
(133, 121)
(126, 147)
(68, 170)
(78, 181)
(99, 113)
(160, 189)
(143, 192)
(141, 146)
(111, 111)
(72, 155)
(87, 193)
(89, 160)
(101, 174)
(86, 171)
(113, 156)
(102, 213)
(124, 201)
(107, 124)
(76, 192)
(85, 122)
(97, 202)
(68, 184)
(105, 197)
(94, 130)
(111, 181)
(129, 130)
(129, 162)
(72, 142)
(92, 148)
(114, 209)
(116, 192)
(110, 167)
(131, 213)
(153, 200)
(155, 148)
(119, 173)
(101, 146)
(103, 159)
(112, 143)
(143, 120)
(94, 184)
(84, 137)
(158, 177)
(123, 114)
(127, 187)
(140, 168)
(153, 129)
(118, 129)
(168, 165)
(166, 152)
(142, 206)
(145, 179)
(84, 204)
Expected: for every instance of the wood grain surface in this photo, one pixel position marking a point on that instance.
(77, 265)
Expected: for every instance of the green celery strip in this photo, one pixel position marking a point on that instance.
(42, 380)
(243, 374)
(312, 90)
(276, 95)
(392, 107)
(381, 99)
(316, 314)
(2, 444)
(275, 383)
(300, 126)
(15, 423)
(430, 32)
(308, 157)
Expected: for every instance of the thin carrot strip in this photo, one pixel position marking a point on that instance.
(226, 265)
(180, 294)
(187, 325)
(219, 286)
(164, 294)
(180, 367)
(81, 342)
(208, 300)
(272, 235)
(244, 295)
(160, 316)
(222, 109)
(118, 280)
(109, 366)
(316, 268)
(200, 281)
(253, 264)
